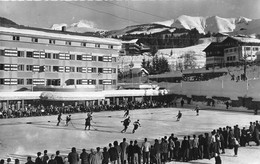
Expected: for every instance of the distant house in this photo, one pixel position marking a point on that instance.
(231, 51)
(240, 48)
(214, 55)
(133, 48)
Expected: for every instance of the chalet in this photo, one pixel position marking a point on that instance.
(232, 51)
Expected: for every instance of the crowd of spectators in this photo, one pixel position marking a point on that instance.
(168, 148)
(42, 110)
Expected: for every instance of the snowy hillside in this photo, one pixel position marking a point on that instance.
(81, 27)
(197, 50)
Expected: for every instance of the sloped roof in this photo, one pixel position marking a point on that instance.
(245, 39)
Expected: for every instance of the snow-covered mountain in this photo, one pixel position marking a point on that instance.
(213, 24)
(82, 26)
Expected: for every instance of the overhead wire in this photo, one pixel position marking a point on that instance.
(136, 10)
(122, 18)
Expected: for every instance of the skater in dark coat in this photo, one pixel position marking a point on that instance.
(179, 116)
(126, 113)
(59, 119)
(126, 123)
(88, 122)
(197, 109)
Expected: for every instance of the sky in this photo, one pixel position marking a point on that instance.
(117, 14)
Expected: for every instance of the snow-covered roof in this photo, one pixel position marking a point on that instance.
(69, 96)
(246, 39)
(130, 41)
(53, 34)
(20, 95)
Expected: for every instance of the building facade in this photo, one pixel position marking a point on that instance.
(40, 59)
(232, 51)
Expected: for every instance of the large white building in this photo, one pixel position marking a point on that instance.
(41, 59)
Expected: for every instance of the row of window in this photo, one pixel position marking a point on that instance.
(235, 49)
(61, 56)
(38, 68)
(11, 81)
(231, 58)
(67, 43)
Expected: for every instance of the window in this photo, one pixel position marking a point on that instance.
(47, 68)
(83, 44)
(235, 49)
(72, 57)
(29, 81)
(2, 52)
(107, 59)
(79, 69)
(92, 70)
(55, 68)
(94, 58)
(72, 69)
(113, 82)
(79, 81)
(9, 52)
(79, 57)
(233, 58)
(10, 81)
(20, 53)
(17, 38)
(110, 46)
(88, 82)
(29, 54)
(29, 67)
(2, 81)
(100, 70)
(68, 43)
(35, 40)
(20, 81)
(100, 58)
(10, 67)
(113, 70)
(247, 48)
(227, 58)
(38, 81)
(55, 56)
(2, 66)
(97, 45)
(48, 55)
(107, 82)
(113, 59)
(52, 41)
(36, 68)
(107, 70)
(255, 49)
(20, 67)
(61, 69)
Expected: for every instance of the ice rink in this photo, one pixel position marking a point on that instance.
(21, 137)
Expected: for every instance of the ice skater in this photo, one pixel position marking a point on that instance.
(179, 116)
(126, 113)
(197, 109)
(126, 123)
(136, 125)
(68, 119)
(88, 121)
(59, 119)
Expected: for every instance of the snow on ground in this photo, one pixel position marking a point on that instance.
(18, 139)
